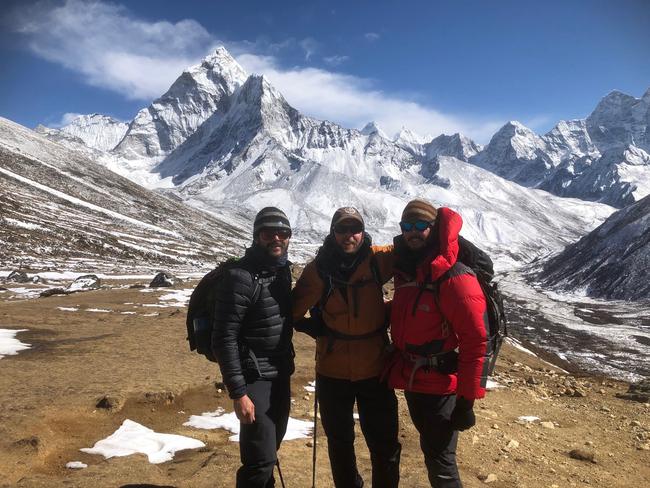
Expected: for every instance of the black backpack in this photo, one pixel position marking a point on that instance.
(481, 264)
(200, 311)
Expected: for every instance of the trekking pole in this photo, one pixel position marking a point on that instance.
(313, 456)
(277, 463)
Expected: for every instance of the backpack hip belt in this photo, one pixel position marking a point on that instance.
(444, 362)
(333, 335)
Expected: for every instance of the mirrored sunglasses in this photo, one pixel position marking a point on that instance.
(269, 234)
(419, 225)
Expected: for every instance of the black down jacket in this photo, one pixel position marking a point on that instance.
(252, 339)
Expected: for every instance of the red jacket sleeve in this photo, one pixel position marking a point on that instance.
(463, 304)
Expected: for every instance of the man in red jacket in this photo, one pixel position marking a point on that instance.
(439, 329)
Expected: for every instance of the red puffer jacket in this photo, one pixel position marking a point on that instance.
(417, 322)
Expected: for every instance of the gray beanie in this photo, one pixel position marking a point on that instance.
(270, 217)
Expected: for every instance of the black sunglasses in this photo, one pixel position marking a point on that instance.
(348, 229)
(269, 234)
(419, 225)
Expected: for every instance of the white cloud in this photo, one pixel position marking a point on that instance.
(335, 60)
(371, 36)
(112, 49)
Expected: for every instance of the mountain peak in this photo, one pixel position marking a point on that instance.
(456, 145)
(373, 128)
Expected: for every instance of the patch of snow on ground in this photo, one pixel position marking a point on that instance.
(177, 298)
(76, 465)
(528, 418)
(22, 225)
(68, 309)
(219, 419)
(98, 310)
(9, 345)
(311, 386)
(492, 384)
(133, 438)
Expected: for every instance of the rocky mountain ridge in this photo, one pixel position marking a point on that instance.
(612, 261)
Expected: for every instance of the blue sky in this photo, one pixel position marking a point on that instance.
(433, 66)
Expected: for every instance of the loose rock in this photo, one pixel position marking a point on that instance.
(582, 455)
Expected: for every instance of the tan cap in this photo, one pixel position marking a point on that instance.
(419, 210)
(346, 213)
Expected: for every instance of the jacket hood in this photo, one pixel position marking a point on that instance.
(449, 224)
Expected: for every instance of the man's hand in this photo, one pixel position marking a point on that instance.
(244, 409)
(463, 418)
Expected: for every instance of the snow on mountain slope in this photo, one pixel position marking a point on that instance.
(196, 95)
(601, 158)
(60, 207)
(97, 131)
(610, 262)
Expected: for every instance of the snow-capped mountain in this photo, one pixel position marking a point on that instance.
(263, 151)
(604, 157)
(610, 262)
(199, 93)
(456, 146)
(97, 131)
(254, 149)
(62, 209)
(411, 141)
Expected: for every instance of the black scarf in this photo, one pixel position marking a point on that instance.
(331, 259)
(260, 255)
(407, 260)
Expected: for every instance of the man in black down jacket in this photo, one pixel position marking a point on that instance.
(251, 338)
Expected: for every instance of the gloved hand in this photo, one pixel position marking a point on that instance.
(311, 326)
(462, 417)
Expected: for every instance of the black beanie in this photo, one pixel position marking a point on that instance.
(270, 217)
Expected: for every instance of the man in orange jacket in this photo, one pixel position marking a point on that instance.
(439, 330)
(344, 283)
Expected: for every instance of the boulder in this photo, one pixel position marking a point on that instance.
(583, 455)
(638, 392)
(85, 283)
(53, 291)
(18, 277)
(163, 279)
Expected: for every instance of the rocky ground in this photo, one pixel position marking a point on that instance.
(140, 364)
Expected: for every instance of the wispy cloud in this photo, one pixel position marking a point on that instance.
(140, 59)
(109, 47)
(371, 36)
(310, 46)
(335, 60)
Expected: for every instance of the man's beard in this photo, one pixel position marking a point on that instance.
(270, 248)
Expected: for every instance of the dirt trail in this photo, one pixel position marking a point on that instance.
(48, 397)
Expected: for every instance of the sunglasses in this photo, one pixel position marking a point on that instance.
(419, 225)
(348, 228)
(269, 234)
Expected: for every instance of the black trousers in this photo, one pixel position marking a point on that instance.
(430, 415)
(259, 441)
(377, 406)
